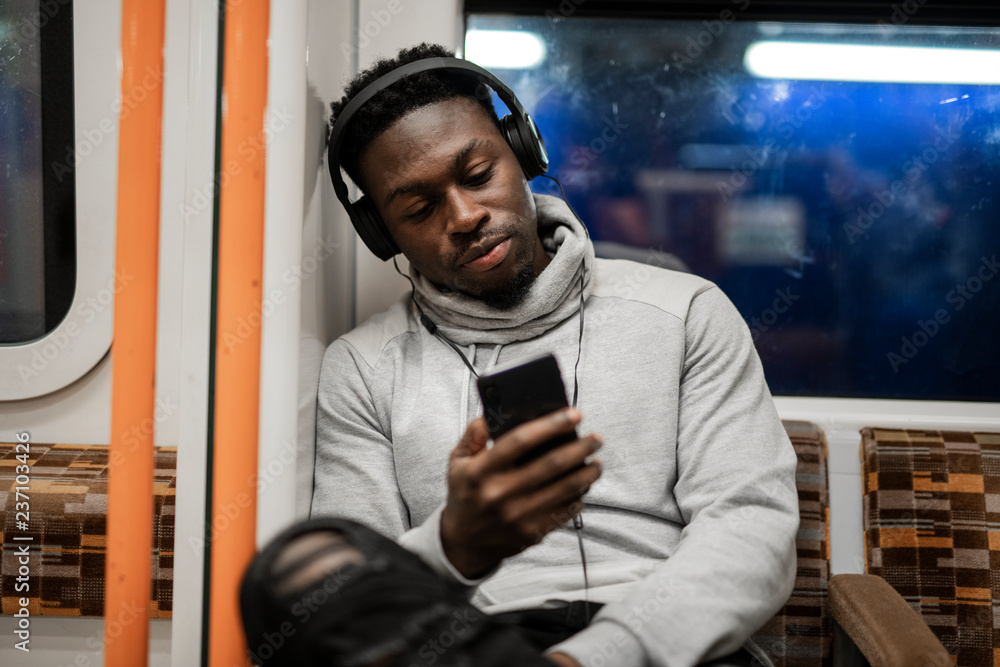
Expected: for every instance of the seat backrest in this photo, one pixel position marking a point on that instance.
(800, 634)
(66, 525)
(932, 531)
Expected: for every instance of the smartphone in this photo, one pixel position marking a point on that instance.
(521, 393)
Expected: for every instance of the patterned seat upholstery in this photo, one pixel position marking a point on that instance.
(66, 527)
(932, 531)
(69, 501)
(800, 634)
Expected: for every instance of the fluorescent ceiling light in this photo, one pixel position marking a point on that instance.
(856, 62)
(504, 49)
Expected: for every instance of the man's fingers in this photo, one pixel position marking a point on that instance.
(548, 508)
(522, 439)
(566, 491)
(515, 482)
(473, 440)
(557, 463)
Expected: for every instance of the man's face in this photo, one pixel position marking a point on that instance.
(455, 200)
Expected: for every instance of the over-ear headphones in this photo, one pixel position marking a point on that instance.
(517, 127)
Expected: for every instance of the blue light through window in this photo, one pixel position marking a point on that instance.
(842, 192)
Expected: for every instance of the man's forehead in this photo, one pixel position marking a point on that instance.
(444, 134)
(446, 117)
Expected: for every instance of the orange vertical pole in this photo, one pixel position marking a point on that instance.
(128, 577)
(237, 345)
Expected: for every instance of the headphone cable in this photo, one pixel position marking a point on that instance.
(432, 328)
(578, 518)
(429, 323)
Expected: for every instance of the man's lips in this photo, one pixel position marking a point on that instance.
(487, 255)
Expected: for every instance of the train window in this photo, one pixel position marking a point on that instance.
(838, 181)
(37, 197)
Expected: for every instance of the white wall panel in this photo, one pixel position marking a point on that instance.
(75, 642)
(325, 277)
(279, 316)
(183, 343)
(80, 414)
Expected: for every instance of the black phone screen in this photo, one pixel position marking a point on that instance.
(517, 395)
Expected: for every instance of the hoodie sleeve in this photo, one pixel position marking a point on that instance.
(355, 475)
(734, 566)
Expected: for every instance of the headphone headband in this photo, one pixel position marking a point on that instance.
(450, 65)
(518, 128)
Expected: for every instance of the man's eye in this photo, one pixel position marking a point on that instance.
(419, 213)
(481, 177)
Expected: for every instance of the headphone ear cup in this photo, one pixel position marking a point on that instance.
(372, 230)
(529, 149)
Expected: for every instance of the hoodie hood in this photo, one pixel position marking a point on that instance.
(552, 298)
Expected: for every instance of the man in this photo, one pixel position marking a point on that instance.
(690, 513)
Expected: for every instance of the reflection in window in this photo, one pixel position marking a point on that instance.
(37, 216)
(852, 219)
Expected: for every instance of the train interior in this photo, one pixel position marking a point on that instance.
(834, 169)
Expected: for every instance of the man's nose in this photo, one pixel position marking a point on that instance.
(465, 213)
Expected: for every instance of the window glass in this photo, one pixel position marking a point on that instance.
(37, 262)
(838, 182)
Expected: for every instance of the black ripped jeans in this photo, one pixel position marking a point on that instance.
(333, 592)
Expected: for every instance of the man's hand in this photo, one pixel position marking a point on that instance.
(562, 659)
(494, 509)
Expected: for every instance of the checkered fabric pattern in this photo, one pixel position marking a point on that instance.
(800, 634)
(932, 530)
(68, 504)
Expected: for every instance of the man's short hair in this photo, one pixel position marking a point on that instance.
(399, 99)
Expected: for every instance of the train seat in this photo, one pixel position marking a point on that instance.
(932, 531)
(800, 633)
(65, 527)
(846, 619)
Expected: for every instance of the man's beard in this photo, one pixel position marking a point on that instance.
(509, 295)
(506, 296)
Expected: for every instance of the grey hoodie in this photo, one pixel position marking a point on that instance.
(690, 532)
